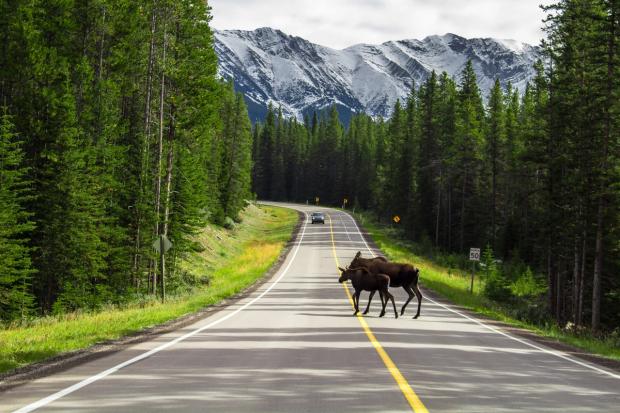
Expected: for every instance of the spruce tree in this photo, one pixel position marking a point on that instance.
(15, 226)
(468, 141)
(494, 157)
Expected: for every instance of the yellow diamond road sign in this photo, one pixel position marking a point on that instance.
(396, 219)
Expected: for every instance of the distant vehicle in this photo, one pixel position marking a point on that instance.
(317, 217)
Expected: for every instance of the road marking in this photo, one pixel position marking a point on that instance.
(412, 398)
(556, 353)
(49, 399)
(346, 230)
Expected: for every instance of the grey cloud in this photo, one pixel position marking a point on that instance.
(342, 23)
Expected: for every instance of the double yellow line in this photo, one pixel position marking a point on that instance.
(414, 401)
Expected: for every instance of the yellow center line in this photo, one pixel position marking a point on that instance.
(414, 401)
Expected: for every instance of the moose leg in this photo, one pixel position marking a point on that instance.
(356, 301)
(410, 292)
(383, 302)
(372, 293)
(390, 297)
(418, 294)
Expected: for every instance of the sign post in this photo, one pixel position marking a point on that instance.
(316, 200)
(474, 255)
(344, 203)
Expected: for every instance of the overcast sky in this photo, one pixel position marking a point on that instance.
(342, 23)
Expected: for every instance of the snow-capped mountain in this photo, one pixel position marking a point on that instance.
(269, 66)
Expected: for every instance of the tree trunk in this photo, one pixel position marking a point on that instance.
(551, 282)
(100, 68)
(494, 199)
(170, 159)
(160, 152)
(559, 295)
(582, 277)
(145, 148)
(462, 240)
(576, 281)
(598, 254)
(449, 220)
(438, 211)
(598, 269)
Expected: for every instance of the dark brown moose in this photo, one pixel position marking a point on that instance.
(364, 280)
(372, 293)
(401, 275)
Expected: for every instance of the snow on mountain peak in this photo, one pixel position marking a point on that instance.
(270, 66)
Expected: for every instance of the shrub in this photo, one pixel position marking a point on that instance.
(496, 287)
(527, 285)
(531, 310)
(229, 223)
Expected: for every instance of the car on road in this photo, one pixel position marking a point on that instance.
(317, 217)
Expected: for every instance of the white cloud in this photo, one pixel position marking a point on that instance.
(342, 23)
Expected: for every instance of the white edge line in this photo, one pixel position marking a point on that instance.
(556, 353)
(47, 400)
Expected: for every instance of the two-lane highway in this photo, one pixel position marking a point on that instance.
(293, 346)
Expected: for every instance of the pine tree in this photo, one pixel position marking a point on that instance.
(331, 147)
(15, 225)
(468, 141)
(237, 143)
(447, 149)
(495, 137)
(512, 182)
(264, 169)
(429, 160)
(396, 177)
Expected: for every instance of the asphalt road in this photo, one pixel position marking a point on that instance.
(294, 346)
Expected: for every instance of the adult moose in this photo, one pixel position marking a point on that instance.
(363, 280)
(401, 275)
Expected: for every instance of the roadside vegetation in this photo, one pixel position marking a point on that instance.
(109, 147)
(229, 261)
(510, 293)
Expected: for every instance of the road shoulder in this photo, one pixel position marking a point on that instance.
(68, 360)
(572, 351)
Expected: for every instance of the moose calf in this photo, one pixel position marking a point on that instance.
(364, 280)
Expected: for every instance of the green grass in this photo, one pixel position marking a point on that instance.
(232, 259)
(454, 284)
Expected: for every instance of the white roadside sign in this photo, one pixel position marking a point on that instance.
(474, 254)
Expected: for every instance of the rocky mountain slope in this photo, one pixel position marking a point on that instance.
(269, 66)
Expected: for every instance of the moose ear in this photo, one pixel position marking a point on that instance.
(359, 254)
(341, 270)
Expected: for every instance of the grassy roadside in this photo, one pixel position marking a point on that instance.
(233, 260)
(454, 286)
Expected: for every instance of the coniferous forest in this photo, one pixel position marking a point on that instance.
(531, 175)
(114, 131)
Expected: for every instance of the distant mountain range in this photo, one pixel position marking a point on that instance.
(269, 66)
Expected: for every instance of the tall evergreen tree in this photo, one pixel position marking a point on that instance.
(15, 225)
(494, 154)
(468, 141)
